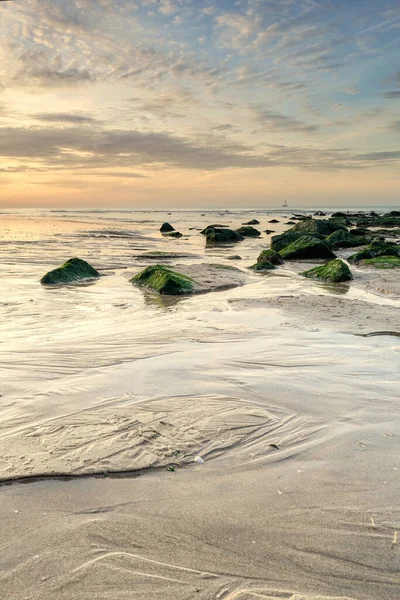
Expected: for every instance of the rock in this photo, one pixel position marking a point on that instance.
(339, 223)
(273, 221)
(248, 231)
(271, 256)
(358, 231)
(252, 222)
(307, 246)
(264, 266)
(376, 221)
(319, 213)
(341, 238)
(377, 248)
(359, 256)
(163, 280)
(207, 229)
(269, 231)
(174, 234)
(290, 223)
(267, 260)
(335, 270)
(339, 215)
(278, 242)
(382, 262)
(222, 236)
(166, 227)
(234, 257)
(393, 213)
(312, 226)
(75, 269)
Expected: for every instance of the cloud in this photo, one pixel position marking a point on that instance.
(68, 118)
(276, 121)
(394, 95)
(82, 148)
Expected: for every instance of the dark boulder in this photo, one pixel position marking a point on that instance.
(165, 227)
(222, 236)
(278, 242)
(248, 231)
(174, 234)
(335, 270)
(252, 222)
(206, 230)
(343, 239)
(267, 260)
(312, 226)
(306, 247)
(73, 270)
(163, 280)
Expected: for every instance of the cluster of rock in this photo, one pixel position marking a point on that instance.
(308, 239)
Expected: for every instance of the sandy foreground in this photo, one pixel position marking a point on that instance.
(298, 495)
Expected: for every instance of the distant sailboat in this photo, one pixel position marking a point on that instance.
(285, 204)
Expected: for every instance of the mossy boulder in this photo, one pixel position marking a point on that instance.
(377, 248)
(222, 236)
(339, 223)
(248, 231)
(377, 221)
(335, 270)
(270, 256)
(165, 227)
(383, 262)
(75, 269)
(163, 280)
(267, 260)
(305, 247)
(359, 256)
(278, 242)
(263, 266)
(360, 232)
(341, 238)
(312, 226)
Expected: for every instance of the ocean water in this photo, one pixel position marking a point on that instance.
(71, 356)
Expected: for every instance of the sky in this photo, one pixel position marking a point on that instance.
(199, 103)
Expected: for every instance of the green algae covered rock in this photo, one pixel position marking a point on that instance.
(375, 249)
(335, 270)
(312, 226)
(341, 238)
(359, 256)
(248, 231)
(278, 242)
(222, 236)
(73, 270)
(263, 266)
(383, 262)
(339, 223)
(267, 260)
(307, 246)
(163, 280)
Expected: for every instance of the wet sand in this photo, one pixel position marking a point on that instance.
(109, 393)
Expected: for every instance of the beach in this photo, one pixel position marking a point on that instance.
(240, 442)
